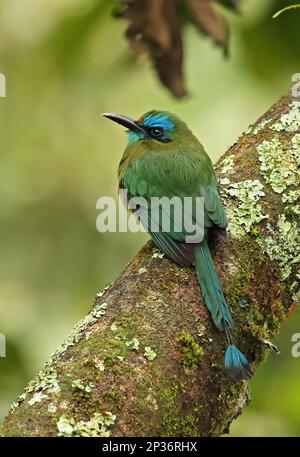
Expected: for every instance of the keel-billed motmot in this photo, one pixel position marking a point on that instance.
(164, 159)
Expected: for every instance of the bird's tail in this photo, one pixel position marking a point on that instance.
(235, 362)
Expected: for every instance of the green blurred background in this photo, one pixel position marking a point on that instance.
(66, 61)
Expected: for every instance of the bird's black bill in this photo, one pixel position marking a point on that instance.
(127, 122)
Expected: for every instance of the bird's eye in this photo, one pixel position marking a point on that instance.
(156, 132)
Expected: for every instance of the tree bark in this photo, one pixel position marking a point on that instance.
(147, 360)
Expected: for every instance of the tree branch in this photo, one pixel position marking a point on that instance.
(147, 360)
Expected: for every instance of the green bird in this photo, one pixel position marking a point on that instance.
(163, 159)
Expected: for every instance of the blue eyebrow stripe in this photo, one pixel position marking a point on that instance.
(158, 121)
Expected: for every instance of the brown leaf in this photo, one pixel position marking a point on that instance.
(208, 21)
(155, 30)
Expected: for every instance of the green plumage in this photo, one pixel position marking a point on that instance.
(164, 159)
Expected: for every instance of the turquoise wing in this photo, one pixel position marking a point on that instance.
(146, 179)
(214, 209)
